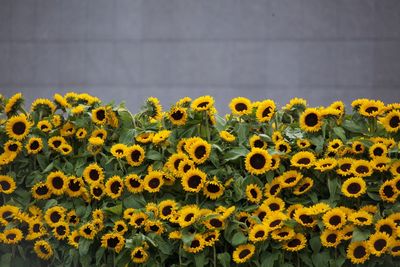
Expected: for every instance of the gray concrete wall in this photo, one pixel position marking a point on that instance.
(321, 50)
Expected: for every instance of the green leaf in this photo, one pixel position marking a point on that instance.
(238, 238)
(224, 259)
(360, 235)
(339, 131)
(84, 245)
(268, 259)
(200, 259)
(235, 153)
(154, 155)
(134, 201)
(6, 260)
(315, 244)
(117, 210)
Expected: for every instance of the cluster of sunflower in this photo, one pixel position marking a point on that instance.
(87, 183)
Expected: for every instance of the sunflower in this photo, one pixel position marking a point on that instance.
(65, 149)
(68, 129)
(72, 217)
(96, 142)
(34, 145)
(178, 116)
(386, 225)
(97, 190)
(17, 127)
(395, 249)
(226, 136)
(358, 252)
(371, 108)
(253, 193)
(45, 126)
(100, 133)
(99, 115)
(334, 219)
(272, 189)
(265, 110)
(54, 215)
(174, 161)
(87, 231)
(330, 238)
(41, 191)
(154, 108)
(202, 103)
(167, 208)
(211, 237)
(303, 143)
(258, 161)
(138, 219)
(118, 150)
(188, 215)
(43, 249)
(388, 191)
(193, 180)
(395, 168)
(380, 164)
(153, 181)
(283, 146)
(258, 233)
(311, 120)
(113, 241)
(161, 137)
(290, 178)
(303, 217)
(354, 187)
(61, 230)
(55, 142)
(145, 137)
(139, 255)
(360, 218)
(357, 147)
(7, 184)
(134, 183)
(213, 189)
(57, 182)
(391, 121)
(378, 150)
(199, 151)
(196, 245)
(243, 253)
(75, 186)
(283, 234)
(12, 236)
(303, 186)
(13, 147)
(134, 155)
(154, 226)
(13, 104)
(379, 243)
(297, 243)
(325, 164)
(256, 142)
(152, 207)
(344, 166)
(73, 239)
(275, 220)
(36, 229)
(240, 106)
(114, 187)
(303, 159)
(93, 173)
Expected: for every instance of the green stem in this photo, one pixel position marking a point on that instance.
(180, 254)
(205, 116)
(215, 256)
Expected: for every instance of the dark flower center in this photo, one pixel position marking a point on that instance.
(335, 220)
(274, 206)
(61, 230)
(13, 147)
(258, 143)
(257, 161)
(94, 175)
(195, 244)
(115, 187)
(241, 107)
(275, 223)
(266, 112)
(262, 215)
(213, 188)
(386, 229)
(154, 183)
(56, 143)
(194, 181)
(166, 210)
(200, 152)
(135, 155)
(306, 218)
(253, 193)
(74, 185)
(55, 217)
(5, 185)
(294, 243)
(112, 242)
(304, 161)
(42, 190)
(57, 182)
(362, 169)
(244, 253)
(176, 163)
(354, 188)
(11, 236)
(311, 119)
(304, 187)
(394, 122)
(259, 234)
(101, 114)
(34, 145)
(388, 191)
(274, 189)
(371, 109)
(216, 223)
(139, 221)
(331, 238)
(97, 191)
(380, 244)
(19, 128)
(138, 254)
(345, 167)
(36, 228)
(134, 183)
(202, 104)
(378, 151)
(189, 217)
(177, 115)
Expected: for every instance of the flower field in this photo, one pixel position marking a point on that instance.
(87, 183)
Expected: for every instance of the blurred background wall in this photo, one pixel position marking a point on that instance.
(127, 50)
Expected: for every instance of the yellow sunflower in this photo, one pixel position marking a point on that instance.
(303, 159)
(334, 219)
(391, 121)
(97, 190)
(379, 243)
(139, 255)
(202, 103)
(395, 168)
(226, 136)
(258, 233)
(380, 164)
(358, 252)
(93, 173)
(138, 219)
(258, 161)
(344, 166)
(243, 253)
(34, 145)
(134, 183)
(174, 161)
(240, 106)
(167, 208)
(371, 108)
(354, 187)
(253, 193)
(145, 138)
(17, 127)
(265, 110)
(297, 243)
(360, 218)
(75, 186)
(161, 137)
(12, 147)
(155, 108)
(213, 189)
(386, 225)
(330, 238)
(283, 146)
(290, 178)
(303, 186)
(114, 187)
(193, 180)
(54, 215)
(12, 236)
(311, 120)
(13, 104)
(43, 249)
(199, 151)
(57, 182)
(73, 239)
(55, 142)
(196, 245)
(153, 181)
(188, 215)
(87, 231)
(7, 184)
(325, 164)
(61, 230)
(99, 115)
(41, 191)
(275, 220)
(113, 241)
(178, 116)
(283, 234)
(118, 150)
(256, 142)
